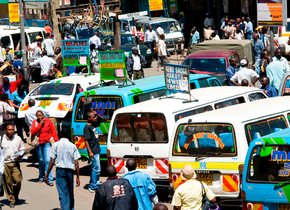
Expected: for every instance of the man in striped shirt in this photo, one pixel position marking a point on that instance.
(230, 72)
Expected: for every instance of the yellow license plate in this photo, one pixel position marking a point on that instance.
(283, 206)
(206, 178)
(141, 163)
(45, 103)
(102, 139)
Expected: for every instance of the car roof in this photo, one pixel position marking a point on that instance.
(4, 30)
(211, 53)
(244, 112)
(135, 18)
(155, 20)
(176, 101)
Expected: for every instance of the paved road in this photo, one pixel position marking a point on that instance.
(34, 195)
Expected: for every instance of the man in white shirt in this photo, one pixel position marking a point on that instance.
(134, 64)
(30, 114)
(95, 40)
(159, 30)
(150, 38)
(245, 73)
(48, 46)
(45, 63)
(209, 21)
(162, 54)
(280, 59)
(13, 149)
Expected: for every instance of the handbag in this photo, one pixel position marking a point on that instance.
(205, 202)
(33, 140)
(7, 116)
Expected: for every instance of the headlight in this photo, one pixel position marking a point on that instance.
(148, 51)
(127, 54)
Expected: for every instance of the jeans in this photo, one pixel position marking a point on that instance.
(150, 45)
(43, 153)
(95, 173)
(65, 188)
(249, 36)
(258, 60)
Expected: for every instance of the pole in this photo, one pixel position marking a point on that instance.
(117, 30)
(23, 45)
(55, 17)
(271, 44)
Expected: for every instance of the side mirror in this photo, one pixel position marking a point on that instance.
(188, 131)
(88, 100)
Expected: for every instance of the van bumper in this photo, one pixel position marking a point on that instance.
(230, 203)
(161, 182)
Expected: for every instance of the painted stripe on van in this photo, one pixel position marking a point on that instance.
(137, 91)
(207, 165)
(229, 185)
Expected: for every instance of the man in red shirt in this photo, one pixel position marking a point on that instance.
(48, 29)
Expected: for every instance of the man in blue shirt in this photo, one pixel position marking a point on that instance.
(258, 48)
(230, 72)
(16, 98)
(249, 28)
(268, 90)
(195, 36)
(17, 63)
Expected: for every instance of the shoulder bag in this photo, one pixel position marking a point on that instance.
(7, 116)
(33, 140)
(205, 202)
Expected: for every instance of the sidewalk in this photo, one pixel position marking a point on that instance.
(178, 57)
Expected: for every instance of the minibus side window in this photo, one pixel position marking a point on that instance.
(148, 96)
(286, 86)
(103, 105)
(203, 83)
(193, 112)
(264, 127)
(230, 102)
(213, 83)
(256, 96)
(5, 41)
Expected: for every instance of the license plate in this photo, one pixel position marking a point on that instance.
(45, 103)
(206, 178)
(141, 163)
(283, 206)
(102, 139)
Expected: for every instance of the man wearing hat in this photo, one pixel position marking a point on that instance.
(245, 73)
(189, 194)
(135, 64)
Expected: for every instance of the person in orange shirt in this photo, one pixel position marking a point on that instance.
(48, 29)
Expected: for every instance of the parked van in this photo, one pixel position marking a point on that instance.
(216, 143)
(266, 173)
(106, 100)
(144, 130)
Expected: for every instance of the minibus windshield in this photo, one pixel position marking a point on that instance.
(53, 89)
(140, 128)
(207, 140)
(272, 168)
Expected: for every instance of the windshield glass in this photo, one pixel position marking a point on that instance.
(272, 168)
(207, 139)
(53, 89)
(145, 127)
(33, 35)
(170, 26)
(213, 65)
(257, 129)
(128, 40)
(103, 105)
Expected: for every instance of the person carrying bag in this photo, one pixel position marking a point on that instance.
(6, 113)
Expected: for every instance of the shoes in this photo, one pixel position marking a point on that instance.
(16, 200)
(91, 191)
(11, 205)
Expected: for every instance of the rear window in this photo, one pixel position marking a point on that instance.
(207, 140)
(286, 86)
(212, 65)
(33, 35)
(269, 168)
(231, 102)
(103, 105)
(148, 96)
(140, 128)
(193, 112)
(264, 127)
(53, 89)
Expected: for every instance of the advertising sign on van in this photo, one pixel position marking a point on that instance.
(112, 65)
(155, 5)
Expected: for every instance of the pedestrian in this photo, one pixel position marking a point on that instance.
(135, 64)
(275, 73)
(30, 114)
(224, 27)
(143, 186)
(45, 63)
(16, 98)
(263, 64)
(127, 31)
(8, 55)
(48, 29)
(209, 21)
(242, 24)
(58, 60)
(160, 207)
(115, 193)
(249, 28)
(245, 83)
(91, 138)
(245, 73)
(37, 51)
(162, 53)
(9, 87)
(230, 72)
(195, 36)
(282, 60)
(268, 89)
(239, 34)
(64, 154)
(214, 36)
(258, 49)
(48, 46)
(56, 71)
(159, 30)
(140, 33)
(44, 129)
(150, 39)
(17, 63)
(5, 106)
(189, 195)
(13, 150)
(94, 58)
(231, 31)
(95, 40)
(263, 37)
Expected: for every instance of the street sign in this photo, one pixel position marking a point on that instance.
(272, 13)
(155, 5)
(13, 9)
(76, 53)
(112, 65)
(133, 15)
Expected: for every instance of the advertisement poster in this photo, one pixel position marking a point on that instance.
(155, 5)
(112, 65)
(13, 9)
(270, 12)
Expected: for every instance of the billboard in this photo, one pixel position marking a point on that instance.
(14, 12)
(155, 5)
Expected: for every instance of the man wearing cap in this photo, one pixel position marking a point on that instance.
(135, 64)
(189, 194)
(245, 73)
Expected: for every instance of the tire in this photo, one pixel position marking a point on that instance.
(148, 64)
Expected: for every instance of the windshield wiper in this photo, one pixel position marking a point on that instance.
(208, 154)
(282, 183)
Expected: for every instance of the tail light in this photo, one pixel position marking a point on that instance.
(81, 90)
(241, 169)
(280, 31)
(109, 157)
(170, 173)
